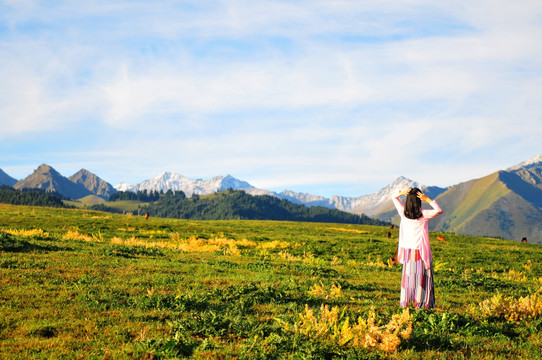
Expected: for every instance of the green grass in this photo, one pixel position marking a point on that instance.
(125, 205)
(83, 284)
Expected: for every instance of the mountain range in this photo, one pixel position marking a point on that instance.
(506, 203)
(79, 185)
(177, 182)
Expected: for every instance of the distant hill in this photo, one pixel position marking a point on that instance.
(506, 204)
(9, 195)
(93, 183)
(5, 179)
(49, 180)
(91, 200)
(236, 204)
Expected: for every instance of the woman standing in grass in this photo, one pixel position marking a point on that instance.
(414, 250)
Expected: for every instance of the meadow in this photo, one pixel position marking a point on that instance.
(85, 284)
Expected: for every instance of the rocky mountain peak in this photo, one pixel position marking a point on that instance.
(93, 183)
(48, 179)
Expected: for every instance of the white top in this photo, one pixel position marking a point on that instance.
(414, 233)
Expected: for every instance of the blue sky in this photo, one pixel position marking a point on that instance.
(326, 97)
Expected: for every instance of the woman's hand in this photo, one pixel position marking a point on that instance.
(404, 192)
(424, 197)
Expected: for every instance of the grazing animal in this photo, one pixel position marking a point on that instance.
(389, 235)
(524, 240)
(441, 238)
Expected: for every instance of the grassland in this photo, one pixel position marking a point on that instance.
(82, 284)
(122, 206)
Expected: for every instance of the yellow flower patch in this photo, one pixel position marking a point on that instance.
(26, 233)
(331, 325)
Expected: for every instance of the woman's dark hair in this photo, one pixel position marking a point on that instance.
(413, 204)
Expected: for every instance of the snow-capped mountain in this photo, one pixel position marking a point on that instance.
(533, 162)
(177, 182)
(379, 202)
(371, 205)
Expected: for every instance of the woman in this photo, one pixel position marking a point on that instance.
(414, 250)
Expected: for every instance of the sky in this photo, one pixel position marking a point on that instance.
(323, 97)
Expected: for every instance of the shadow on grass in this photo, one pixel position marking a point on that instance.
(10, 244)
(132, 251)
(451, 332)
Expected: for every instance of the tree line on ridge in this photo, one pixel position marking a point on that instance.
(225, 205)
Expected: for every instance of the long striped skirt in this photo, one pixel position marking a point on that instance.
(417, 286)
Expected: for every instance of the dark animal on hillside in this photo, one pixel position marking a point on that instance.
(389, 235)
(524, 240)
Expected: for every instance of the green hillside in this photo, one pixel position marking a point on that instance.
(9, 195)
(480, 195)
(113, 286)
(125, 206)
(92, 200)
(500, 205)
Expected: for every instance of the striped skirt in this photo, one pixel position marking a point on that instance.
(416, 282)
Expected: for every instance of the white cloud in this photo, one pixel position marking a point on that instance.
(308, 92)
(210, 88)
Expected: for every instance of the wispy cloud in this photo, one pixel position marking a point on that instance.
(328, 95)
